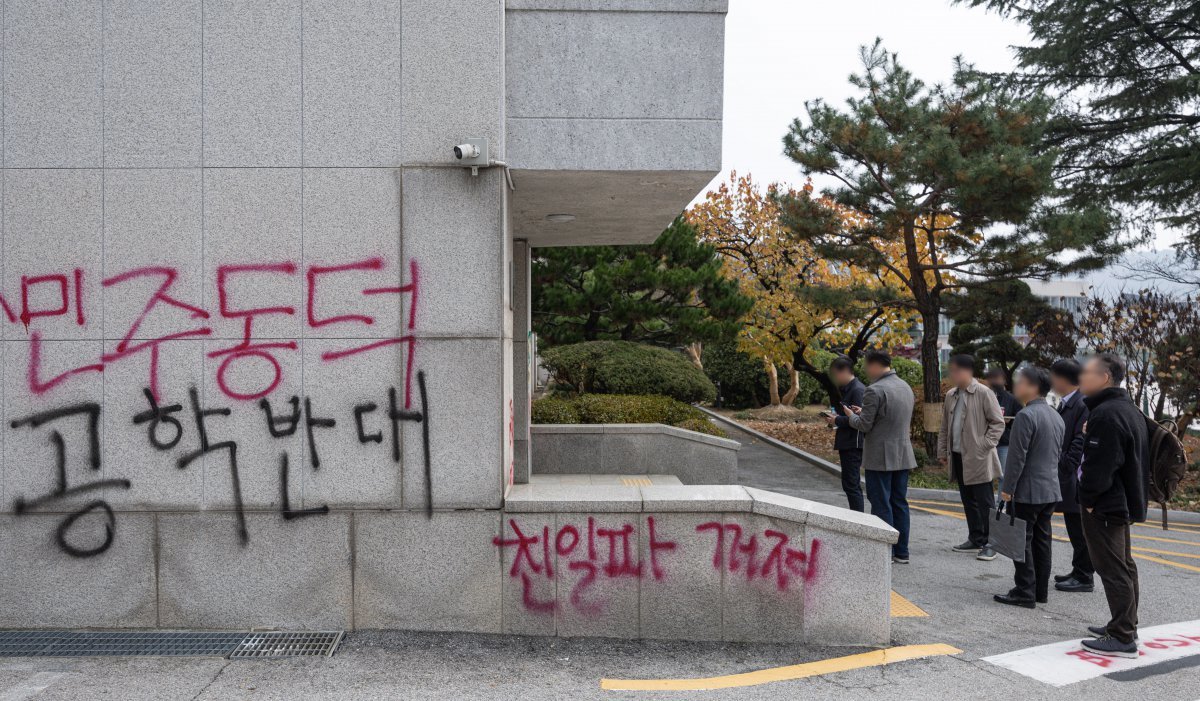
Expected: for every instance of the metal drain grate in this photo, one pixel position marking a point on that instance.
(236, 644)
(275, 644)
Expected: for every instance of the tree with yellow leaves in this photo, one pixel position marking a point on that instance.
(801, 301)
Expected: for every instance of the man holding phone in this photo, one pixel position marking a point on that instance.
(847, 440)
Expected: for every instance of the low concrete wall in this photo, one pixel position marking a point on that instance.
(633, 449)
(718, 562)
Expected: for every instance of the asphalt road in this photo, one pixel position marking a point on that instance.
(954, 590)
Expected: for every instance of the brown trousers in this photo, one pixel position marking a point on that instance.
(1109, 546)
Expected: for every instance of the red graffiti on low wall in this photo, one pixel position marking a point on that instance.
(737, 552)
(595, 553)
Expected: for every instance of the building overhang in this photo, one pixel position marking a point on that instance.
(613, 115)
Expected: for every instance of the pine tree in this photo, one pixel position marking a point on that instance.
(954, 176)
(668, 293)
(1127, 77)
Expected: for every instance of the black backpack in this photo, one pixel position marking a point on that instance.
(1168, 463)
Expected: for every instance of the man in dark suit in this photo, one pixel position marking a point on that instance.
(1064, 375)
(847, 440)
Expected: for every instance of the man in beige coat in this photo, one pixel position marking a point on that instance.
(972, 424)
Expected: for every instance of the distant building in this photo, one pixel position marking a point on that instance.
(1068, 295)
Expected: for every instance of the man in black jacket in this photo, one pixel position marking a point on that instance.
(1009, 406)
(1112, 491)
(848, 441)
(1064, 375)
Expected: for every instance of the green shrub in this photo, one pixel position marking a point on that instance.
(908, 370)
(633, 409)
(741, 379)
(702, 426)
(555, 410)
(621, 409)
(619, 367)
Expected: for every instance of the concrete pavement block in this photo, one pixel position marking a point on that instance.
(467, 423)
(681, 588)
(30, 457)
(458, 248)
(152, 90)
(252, 83)
(252, 216)
(156, 481)
(53, 78)
(598, 575)
(43, 587)
(617, 145)
(259, 454)
(613, 64)
(152, 218)
(419, 573)
(696, 498)
(352, 473)
(764, 589)
(53, 224)
(352, 218)
(848, 598)
(432, 53)
(292, 574)
(352, 83)
(529, 588)
(778, 505)
(573, 498)
(821, 515)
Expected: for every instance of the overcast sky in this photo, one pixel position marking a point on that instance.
(780, 53)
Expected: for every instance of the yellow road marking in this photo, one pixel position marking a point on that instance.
(1159, 539)
(1149, 558)
(903, 608)
(874, 658)
(635, 482)
(1190, 528)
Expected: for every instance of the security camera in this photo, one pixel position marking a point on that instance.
(466, 151)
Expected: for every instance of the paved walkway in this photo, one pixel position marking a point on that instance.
(955, 590)
(762, 465)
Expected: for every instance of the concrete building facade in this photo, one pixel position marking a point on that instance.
(266, 341)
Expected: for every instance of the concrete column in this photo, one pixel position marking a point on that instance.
(523, 349)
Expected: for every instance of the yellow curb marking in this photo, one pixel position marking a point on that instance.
(1148, 558)
(874, 658)
(636, 482)
(1157, 539)
(1188, 528)
(903, 608)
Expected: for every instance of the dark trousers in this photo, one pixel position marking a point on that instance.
(1109, 547)
(1032, 577)
(1081, 562)
(888, 493)
(851, 460)
(978, 502)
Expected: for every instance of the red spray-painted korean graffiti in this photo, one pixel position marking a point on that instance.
(54, 294)
(247, 297)
(594, 553)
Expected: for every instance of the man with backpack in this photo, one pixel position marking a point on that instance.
(1112, 491)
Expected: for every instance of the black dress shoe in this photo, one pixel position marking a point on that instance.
(1014, 601)
(1063, 577)
(1074, 585)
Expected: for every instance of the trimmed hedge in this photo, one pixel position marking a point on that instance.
(620, 367)
(621, 409)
